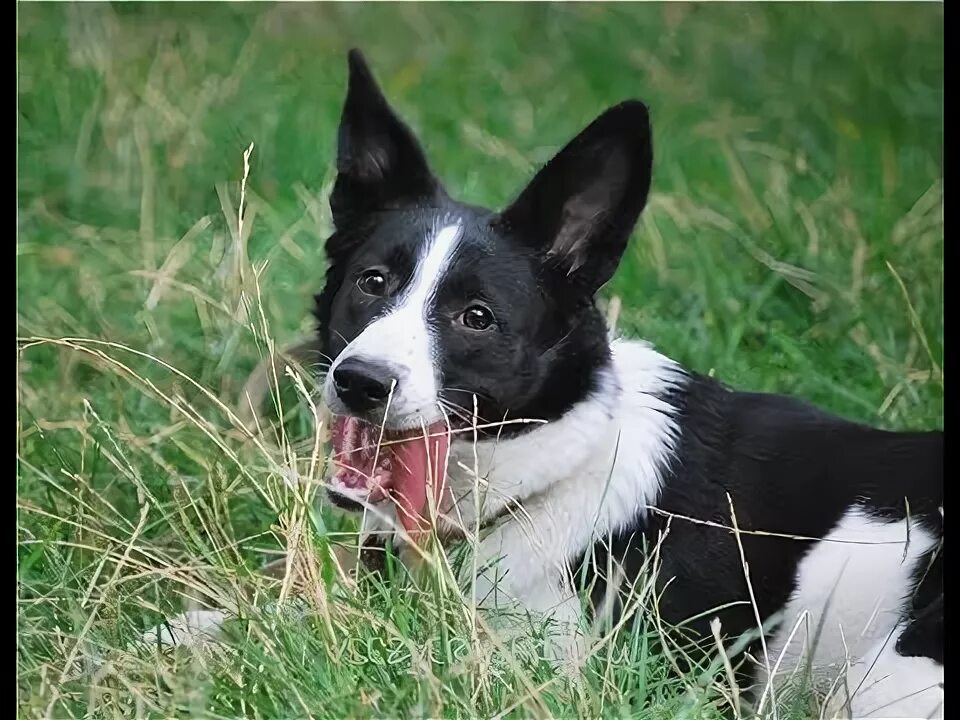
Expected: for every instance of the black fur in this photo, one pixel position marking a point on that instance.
(923, 637)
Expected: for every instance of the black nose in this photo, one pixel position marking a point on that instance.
(362, 385)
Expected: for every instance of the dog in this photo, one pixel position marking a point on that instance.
(475, 391)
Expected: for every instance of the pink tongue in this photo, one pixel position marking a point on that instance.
(419, 471)
(410, 468)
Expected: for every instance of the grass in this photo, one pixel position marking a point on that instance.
(793, 243)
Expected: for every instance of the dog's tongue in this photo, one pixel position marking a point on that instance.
(409, 467)
(419, 470)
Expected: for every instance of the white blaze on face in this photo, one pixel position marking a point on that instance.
(402, 341)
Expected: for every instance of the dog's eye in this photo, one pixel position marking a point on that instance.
(372, 282)
(477, 317)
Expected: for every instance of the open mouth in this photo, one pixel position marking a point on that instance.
(407, 467)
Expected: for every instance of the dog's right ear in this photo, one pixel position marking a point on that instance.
(380, 165)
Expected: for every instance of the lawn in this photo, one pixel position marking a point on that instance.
(793, 243)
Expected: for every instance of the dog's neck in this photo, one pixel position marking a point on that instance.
(617, 439)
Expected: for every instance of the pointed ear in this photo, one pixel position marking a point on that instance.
(579, 210)
(379, 162)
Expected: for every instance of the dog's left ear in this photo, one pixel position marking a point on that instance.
(380, 164)
(581, 207)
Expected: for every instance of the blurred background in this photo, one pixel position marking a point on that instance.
(793, 243)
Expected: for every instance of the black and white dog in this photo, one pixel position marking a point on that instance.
(451, 328)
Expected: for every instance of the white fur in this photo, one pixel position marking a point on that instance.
(853, 582)
(885, 684)
(601, 461)
(403, 341)
(190, 629)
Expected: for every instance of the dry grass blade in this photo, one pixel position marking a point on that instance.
(935, 371)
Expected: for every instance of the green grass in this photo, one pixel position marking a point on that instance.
(793, 242)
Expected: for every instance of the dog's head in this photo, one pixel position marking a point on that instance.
(435, 311)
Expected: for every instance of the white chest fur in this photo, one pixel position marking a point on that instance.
(576, 479)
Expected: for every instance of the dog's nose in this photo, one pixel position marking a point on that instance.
(362, 385)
